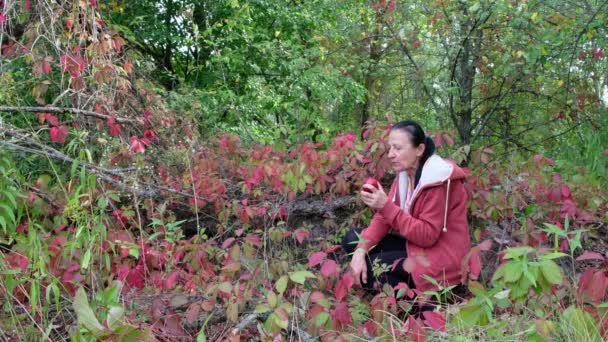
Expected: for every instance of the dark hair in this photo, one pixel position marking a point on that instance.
(417, 137)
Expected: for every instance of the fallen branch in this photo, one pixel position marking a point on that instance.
(66, 110)
(253, 317)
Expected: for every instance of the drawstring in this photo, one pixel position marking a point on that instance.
(445, 215)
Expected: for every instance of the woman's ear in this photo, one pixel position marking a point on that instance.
(420, 150)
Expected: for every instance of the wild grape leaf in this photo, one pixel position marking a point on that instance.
(329, 268)
(341, 316)
(316, 258)
(340, 290)
(58, 134)
(172, 280)
(435, 320)
(587, 255)
(46, 67)
(475, 265)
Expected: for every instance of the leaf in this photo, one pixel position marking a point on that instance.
(551, 272)
(475, 265)
(321, 318)
(340, 290)
(85, 314)
(115, 314)
(341, 315)
(300, 276)
(59, 134)
(554, 255)
(434, 320)
(46, 67)
(329, 268)
(137, 145)
(513, 271)
(86, 259)
(301, 234)
(281, 284)
(316, 258)
(590, 256)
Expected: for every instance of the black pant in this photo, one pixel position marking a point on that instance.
(387, 251)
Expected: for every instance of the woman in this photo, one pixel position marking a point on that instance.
(422, 219)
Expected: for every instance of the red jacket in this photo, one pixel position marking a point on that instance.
(435, 226)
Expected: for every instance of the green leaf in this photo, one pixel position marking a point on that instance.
(321, 319)
(554, 255)
(470, 315)
(516, 252)
(281, 284)
(551, 272)
(513, 271)
(86, 259)
(85, 314)
(115, 314)
(300, 276)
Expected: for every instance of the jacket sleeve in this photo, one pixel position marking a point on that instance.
(424, 229)
(375, 232)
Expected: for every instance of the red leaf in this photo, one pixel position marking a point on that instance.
(301, 234)
(590, 256)
(341, 316)
(594, 283)
(434, 320)
(136, 145)
(332, 248)
(416, 330)
(192, 313)
(2, 18)
(254, 240)
(58, 134)
(172, 280)
(329, 268)
(93, 3)
(149, 134)
(228, 242)
(50, 118)
(114, 129)
(68, 24)
(416, 44)
(316, 258)
(475, 265)
(565, 191)
(340, 290)
(46, 67)
(316, 296)
(598, 53)
(135, 279)
(438, 141)
(348, 280)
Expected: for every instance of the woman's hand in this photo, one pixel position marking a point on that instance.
(375, 198)
(358, 266)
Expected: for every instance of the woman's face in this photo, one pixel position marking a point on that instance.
(402, 154)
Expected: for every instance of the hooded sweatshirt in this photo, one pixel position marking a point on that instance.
(433, 221)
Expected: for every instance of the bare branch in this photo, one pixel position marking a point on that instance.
(66, 110)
